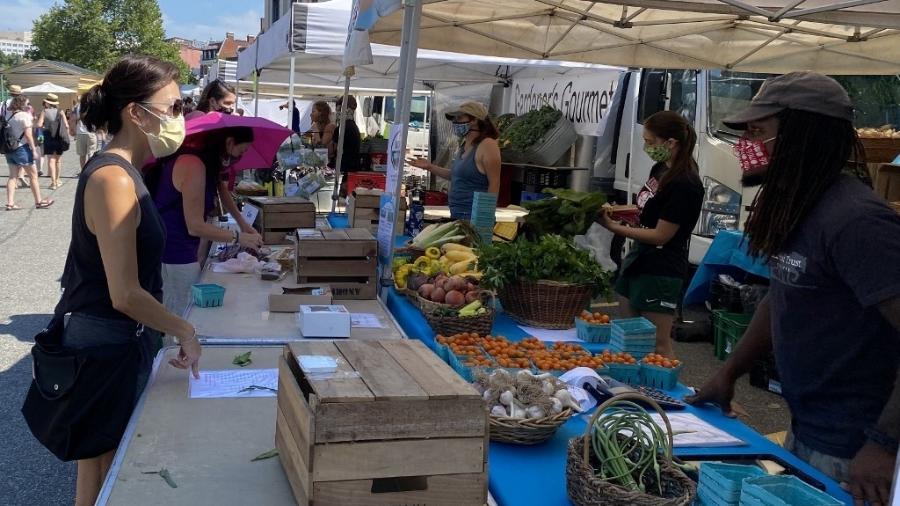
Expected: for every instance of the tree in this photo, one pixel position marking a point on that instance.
(96, 33)
(9, 60)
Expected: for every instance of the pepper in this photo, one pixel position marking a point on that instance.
(433, 253)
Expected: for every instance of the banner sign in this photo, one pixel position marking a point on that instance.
(584, 100)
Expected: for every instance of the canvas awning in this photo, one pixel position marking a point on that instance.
(315, 35)
(47, 87)
(772, 36)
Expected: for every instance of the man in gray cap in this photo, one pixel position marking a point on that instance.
(832, 315)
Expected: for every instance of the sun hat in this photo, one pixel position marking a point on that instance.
(15, 89)
(473, 109)
(52, 99)
(800, 91)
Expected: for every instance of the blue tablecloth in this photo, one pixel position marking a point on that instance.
(726, 255)
(535, 475)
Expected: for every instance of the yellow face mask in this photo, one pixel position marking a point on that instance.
(170, 137)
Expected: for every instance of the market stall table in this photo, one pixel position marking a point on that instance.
(245, 313)
(535, 475)
(503, 214)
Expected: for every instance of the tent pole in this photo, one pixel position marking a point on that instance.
(290, 104)
(256, 93)
(409, 47)
(342, 120)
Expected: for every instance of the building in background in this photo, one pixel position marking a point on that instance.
(219, 59)
(191, 52)
(15, 42)
(275, 10)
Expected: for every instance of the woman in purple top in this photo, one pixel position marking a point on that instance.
(185, 190)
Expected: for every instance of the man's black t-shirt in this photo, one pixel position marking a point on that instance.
(679, 202)
(836, 353)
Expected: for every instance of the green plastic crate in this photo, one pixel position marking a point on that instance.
(728, 329)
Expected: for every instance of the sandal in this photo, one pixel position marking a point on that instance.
(54, 186)
(44, 204)
(13, 207)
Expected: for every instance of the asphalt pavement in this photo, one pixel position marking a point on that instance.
(34, 243)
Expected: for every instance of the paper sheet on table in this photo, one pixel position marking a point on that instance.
(235, 383)
(551, 335)
(365, 321)
(702, 434)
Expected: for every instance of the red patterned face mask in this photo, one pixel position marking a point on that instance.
(752, 154)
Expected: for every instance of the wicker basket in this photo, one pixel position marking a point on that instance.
(545, 304)
(585, 489)
(529, 431)
(452, 325)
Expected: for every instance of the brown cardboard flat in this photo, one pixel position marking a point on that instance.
(281, 302)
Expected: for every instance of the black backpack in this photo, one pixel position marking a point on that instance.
(8, 141)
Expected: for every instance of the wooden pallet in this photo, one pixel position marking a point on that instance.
(393, 425)
(346, 259)
(279, 217)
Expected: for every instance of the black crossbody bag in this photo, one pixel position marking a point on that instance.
(80, 400)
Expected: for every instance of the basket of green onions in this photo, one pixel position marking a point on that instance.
(625, 458)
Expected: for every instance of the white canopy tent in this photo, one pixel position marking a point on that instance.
(48, 87)
(772, 36)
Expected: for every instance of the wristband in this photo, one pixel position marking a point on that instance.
(883, 440)
(235, 236)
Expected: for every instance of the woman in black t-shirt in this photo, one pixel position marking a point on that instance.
(651, 276)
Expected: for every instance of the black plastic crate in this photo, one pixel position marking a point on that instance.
(546, 178)
(764, 375)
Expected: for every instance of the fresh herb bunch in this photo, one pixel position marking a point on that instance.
(568, 213)
(528, 129)
(552, 257)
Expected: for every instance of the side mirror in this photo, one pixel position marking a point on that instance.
(367, 107)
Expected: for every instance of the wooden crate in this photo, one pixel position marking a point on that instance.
(345, 259)
(279, 217)
(363, 212)
(881, 149)
(394, 425)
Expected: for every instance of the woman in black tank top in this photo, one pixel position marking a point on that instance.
(112, 281)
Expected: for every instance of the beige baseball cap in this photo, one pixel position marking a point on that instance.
(800, 91)
(15, 89)
(52, 99)
(474, 109)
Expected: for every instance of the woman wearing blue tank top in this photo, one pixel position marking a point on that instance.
(476, 167)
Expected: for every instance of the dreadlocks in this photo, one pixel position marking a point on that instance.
(811, 151)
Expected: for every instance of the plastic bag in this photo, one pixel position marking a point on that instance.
(244, 262)
(597, 240)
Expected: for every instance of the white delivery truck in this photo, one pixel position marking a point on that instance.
(705, 97)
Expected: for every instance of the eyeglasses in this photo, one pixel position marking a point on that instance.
(174, 110)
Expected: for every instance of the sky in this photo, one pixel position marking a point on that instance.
(192, 19)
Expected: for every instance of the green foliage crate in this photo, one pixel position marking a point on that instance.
(728, 330)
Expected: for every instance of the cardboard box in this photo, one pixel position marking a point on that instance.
(287, 298)
(392, 425)
(324, 321)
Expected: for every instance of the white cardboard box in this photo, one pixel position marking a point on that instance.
(324, 321)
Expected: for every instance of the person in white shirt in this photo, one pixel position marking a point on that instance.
(21, 124)
(85, 141)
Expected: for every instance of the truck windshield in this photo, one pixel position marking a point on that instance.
(876, 98)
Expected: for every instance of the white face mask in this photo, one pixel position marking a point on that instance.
(170, 137)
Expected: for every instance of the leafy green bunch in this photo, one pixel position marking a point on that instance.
(552, 257)
(528, 129)
(568, 213)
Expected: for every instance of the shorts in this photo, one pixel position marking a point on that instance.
(177, 282)
(836, 468)
(86, 144)
(652, 294)
(51, 144)
(86, 331)
(22, 156)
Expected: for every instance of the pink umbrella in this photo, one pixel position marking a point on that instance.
(267, 137)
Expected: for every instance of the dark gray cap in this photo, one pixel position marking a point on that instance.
(800, 91)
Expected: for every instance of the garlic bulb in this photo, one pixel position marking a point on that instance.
(499, 410)
(557, 406)
(535, 412)
(507, 398)
(566, 398)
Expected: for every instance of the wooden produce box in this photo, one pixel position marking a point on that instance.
(363, 211)
(279, 217)
(393, 425)
(881, 149)
(345, 259)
